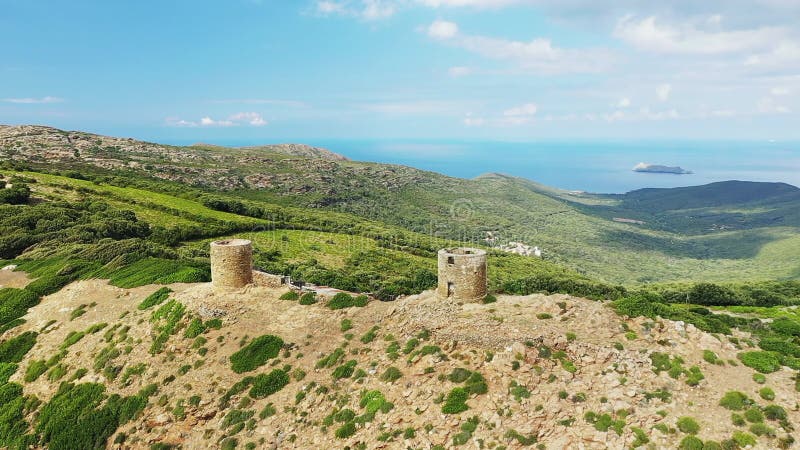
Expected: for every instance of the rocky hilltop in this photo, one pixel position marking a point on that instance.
(256, 369)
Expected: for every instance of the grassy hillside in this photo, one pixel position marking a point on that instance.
(720, 232)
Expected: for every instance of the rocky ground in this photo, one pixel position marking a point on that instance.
(547, 361)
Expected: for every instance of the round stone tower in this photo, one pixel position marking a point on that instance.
(231, 263)
(462, 274)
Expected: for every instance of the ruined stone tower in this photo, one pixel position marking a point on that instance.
(231, 263)
(462, 274)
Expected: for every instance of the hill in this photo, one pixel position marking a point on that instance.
(721, 232)
(112, 337)
(187, 367)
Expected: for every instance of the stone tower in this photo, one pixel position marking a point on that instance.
(231, 263)
(462, 274)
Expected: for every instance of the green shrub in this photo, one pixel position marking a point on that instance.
(195, 328)
(346, 325)
(256, 353)
(764, 362)
(346, 430)
(754, 415)
(760, 429)
(340, 301)
(759, 378)
(156, 298)
(766, 393)
(369, 336)
(690, 443)
(14, 303)
(735, 401)
(455, 402)
(775, 412)
(489, 299)
(711, 357)
(785, 326)
(14, 349)
(290, 295)
(360, 301)
(688, 425)
(268, 384)
(743, 439)
(35, 369)
(345, 370)
(309, 298)
(391, 374)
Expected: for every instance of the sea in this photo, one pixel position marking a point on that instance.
(592, 166)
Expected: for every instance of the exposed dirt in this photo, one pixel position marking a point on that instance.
(12, 279)
(611, 379)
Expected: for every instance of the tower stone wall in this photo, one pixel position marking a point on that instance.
(462, 274)
(231, 263)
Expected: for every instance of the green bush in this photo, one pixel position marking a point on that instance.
(785, 326)
(14, 303)
(346, 430)
(391, 375)
(759, 378)
(764, 362)
(775, 412)
(256, 353)
(754, 415)
(290, 295)
(735, 401)
(14, 349)
(766, 393)
(309, 298)
(156, 298)
(489, 299)
(35, 369)
(455, 402)
(760, 429)
(690, 443)
(264, 385)
(195, 328)
(340, 301)
(743, 439)
(346, 370)
(688, 425)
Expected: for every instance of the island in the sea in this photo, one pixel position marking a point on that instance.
(656, 168)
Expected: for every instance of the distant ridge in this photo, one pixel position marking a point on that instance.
(306, 151)
(721, 193)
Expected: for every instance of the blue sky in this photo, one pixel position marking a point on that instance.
(468, 69)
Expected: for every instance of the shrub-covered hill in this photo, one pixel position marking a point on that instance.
(96, 366)
(752, 235)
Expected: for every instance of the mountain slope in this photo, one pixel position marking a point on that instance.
(749, 233)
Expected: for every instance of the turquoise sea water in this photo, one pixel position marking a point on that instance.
(603, 167)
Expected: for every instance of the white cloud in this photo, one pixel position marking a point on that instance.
(242, 118)
(368, 10)
(768, 105)
(413, 107)
(377, 9)
(459, 71)
(687, 38)
(209, 122)
(528, 109)
(474, 3)
(252, 118)
(34, 101)
(779, 91)
(538, 55)
(624, 102)
(663, 91)
(474, 121)
(442, 29)
(263, 101)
